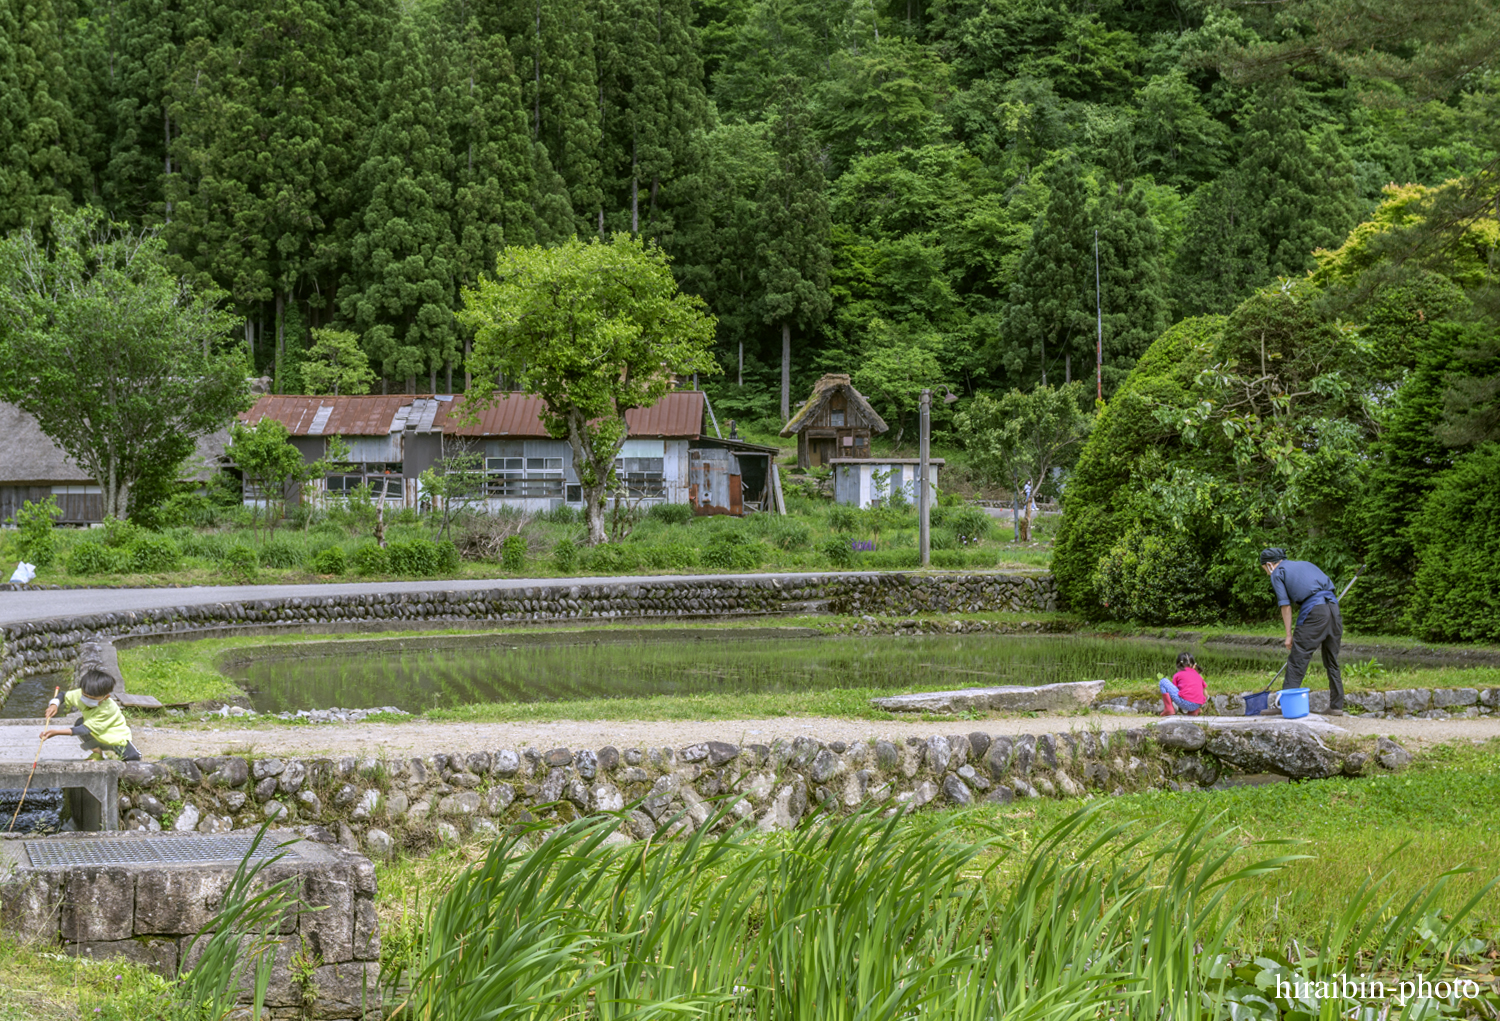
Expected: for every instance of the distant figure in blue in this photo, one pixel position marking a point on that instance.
(1319, 625)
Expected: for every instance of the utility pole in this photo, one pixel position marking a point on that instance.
(924, 502)
(1099, 310)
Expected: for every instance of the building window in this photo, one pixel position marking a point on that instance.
(836, 418)
(384, 479)
(641, 478)
(524, 478)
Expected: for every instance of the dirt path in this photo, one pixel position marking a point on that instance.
(423, 738)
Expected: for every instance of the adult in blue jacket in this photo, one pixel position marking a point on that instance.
(1319, 625)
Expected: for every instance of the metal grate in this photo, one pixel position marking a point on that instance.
(148, 850)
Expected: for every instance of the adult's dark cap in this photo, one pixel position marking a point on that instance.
(1272, 555)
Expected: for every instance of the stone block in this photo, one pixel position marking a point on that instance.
(979, 743)
(153, 952)
(998, 757)
(1410, 700)
(178, 901)
(1180, 734)
(826, 766)
(329, 932)
(1046, 751)
(292, 777)
(98, 905)
(1391, 755)
(1025, 751)
(1446, 698)
(609, 757)
(1369, 701)
(956, 791)
(346, 990)
(938, 754)
(29, 906)
(1008, 698)
(1272, 745)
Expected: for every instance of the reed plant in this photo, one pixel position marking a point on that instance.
(876, 917)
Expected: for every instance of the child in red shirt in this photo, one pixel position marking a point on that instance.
(1186, 690)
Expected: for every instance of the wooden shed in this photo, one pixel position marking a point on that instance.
(836, 421)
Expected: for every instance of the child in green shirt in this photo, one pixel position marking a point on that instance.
(102, 726)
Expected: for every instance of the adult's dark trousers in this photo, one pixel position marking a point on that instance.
(1322, 631)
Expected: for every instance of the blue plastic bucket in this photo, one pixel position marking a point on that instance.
(1294, 703)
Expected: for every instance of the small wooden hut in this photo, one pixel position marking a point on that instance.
(836, 421)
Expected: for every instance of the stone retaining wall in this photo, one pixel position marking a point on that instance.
(47, 646)
(326, 954)
(377, 805)
(1423, 703)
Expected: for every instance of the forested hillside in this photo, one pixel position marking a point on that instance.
(906, 189)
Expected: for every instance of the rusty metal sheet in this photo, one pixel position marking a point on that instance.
(678, 415)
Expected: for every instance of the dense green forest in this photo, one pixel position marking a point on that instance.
(908, 189)
(1283, 219)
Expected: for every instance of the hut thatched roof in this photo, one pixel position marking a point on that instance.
(823, 391)
(28, 455)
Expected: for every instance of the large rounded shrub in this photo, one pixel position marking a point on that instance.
(1456, 592)
(153, 554)
(1151, 577)
(94, 557)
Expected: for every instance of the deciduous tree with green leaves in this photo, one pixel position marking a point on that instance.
(1020, 437)
(595, 329)
(121, 361)
(274, 469)
(335, 364)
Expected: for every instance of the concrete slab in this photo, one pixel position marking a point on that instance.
(1013, 698)
(18, 741)
(1316, 724)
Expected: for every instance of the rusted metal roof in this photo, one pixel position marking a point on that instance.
(678, 415)
(372, 415)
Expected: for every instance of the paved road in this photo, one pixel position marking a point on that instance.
(36, 605)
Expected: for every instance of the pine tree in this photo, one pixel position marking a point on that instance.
(1132, 291)
(1051, 312)
(794, 232)
(405, 286)
(1222, 256)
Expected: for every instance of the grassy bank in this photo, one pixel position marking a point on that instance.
(338, 544)
(1152, 905)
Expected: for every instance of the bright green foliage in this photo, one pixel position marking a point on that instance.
(369, 558)
(335, 364)
(1130, 282)
(405, 251)
(732, 551)
(1152, 577)
(240, 561)
(36, 537)
(565, 555)
(454, 482)
(153, 554)
(119, 361)
(92, 557)
(1455, 594)
(839, 551)
(1471, 404)
(413, 556)
(1019, 438)
(513, 553)
(594, 329)
(332, 560)
(1051, 318)
(274, 470)
(882, 98)
(1176, 141)
(793, 243)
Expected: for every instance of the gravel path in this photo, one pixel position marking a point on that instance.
(403, 739)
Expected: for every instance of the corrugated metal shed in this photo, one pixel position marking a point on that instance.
(678, 415)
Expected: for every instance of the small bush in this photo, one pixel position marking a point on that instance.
(838, 551)
(561, 515)
(942, 539)
(412, 556)
(565, 556)
(282, 553)
(789, 535)
(513, 554)
(240, 561)
(968, 522)
(1151, 578)
(369, 558)
(612, 558)
(731, 551)
(447, 556)
(671, 513)
(843, 518)
(93, 557)
(117, 534)
(332, 560)
(669, 556)
(36, 541)
(153, 554)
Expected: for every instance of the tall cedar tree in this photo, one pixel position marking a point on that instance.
(40, 169)
(552, 45)
(653, 108)
(1051, 313)
(1132, 291)
(794, 232)
(405, 254)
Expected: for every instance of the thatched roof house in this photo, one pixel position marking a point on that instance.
(33, 468)
(836, 421)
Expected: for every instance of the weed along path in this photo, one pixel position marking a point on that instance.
(425, 737)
